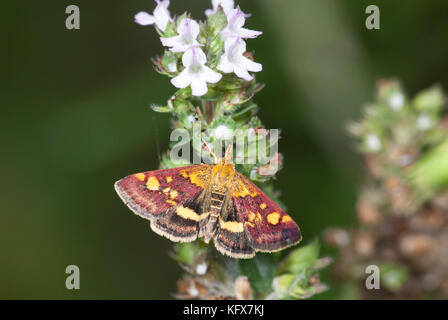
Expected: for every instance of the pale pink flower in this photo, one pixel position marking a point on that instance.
(226, 5)
(196, 74)
(235, 23)
(160, 17)
(233, 60)
(188, 31)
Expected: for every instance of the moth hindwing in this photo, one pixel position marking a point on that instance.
(213, 202)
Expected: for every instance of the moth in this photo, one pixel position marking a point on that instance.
(213, 202)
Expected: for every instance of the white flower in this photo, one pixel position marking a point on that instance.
(222, 132)
(226, 5)
(201, 268)
(233, 60)
(396, 101)
(191, 118)
(424, 122)
(160, 16)
(373, 143)
(192, 290)
(196, 74)
(188, 31)
(235, 23)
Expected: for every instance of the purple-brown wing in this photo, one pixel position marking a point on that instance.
(150, 194)
(267, 226)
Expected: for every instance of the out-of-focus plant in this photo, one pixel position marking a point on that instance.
(207, 61)
(403, 207)
(210, 275)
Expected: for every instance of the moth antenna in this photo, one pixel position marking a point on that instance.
(209, 150)
(229, 153)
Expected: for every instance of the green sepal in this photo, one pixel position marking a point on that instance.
(216, 22)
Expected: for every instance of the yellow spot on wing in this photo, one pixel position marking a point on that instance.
(255, 217)
(251, 217)
(153, 184)
(232, 226)
(250, 224)
(166, 190)
(173, 194)
(273, 218)
(187, 213)
(140, 176)
(171, 202)
(169, 179)
(286, 218)
(263, 206)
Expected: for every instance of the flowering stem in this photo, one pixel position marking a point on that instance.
(209, 110)
(210, 66)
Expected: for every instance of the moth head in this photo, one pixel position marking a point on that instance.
(223, 173)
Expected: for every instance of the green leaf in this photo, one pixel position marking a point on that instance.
(259, 270)
(282, 285)
(429, 100)
(245, 108)
(183, 93)
(186, 252)
(301, 259)
(295, 286)
(430, 173)
(245, 112)
(158, 108)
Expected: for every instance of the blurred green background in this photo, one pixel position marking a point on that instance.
(75, 118)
